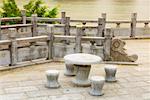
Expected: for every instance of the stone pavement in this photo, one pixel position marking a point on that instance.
(28, 83)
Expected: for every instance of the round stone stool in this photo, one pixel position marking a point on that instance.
(97, 83)
(70, 70)
(52, 79)
(110, 73)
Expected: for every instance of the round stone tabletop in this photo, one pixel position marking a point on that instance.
(82, 59)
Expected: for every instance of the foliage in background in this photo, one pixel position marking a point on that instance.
(51, 13)
(38, 7)
(1, 12)
(10, 9)
(35, 7)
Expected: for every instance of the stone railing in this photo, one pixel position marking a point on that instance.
(67, 23)
(50, 46)
(30, 39)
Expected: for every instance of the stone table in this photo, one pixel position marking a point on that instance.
(83, 63)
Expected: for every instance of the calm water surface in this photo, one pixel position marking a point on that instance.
(92, 9)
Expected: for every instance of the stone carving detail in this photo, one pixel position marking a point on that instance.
(118, 52)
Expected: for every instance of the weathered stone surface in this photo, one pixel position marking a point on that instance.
(83, 63)
(68, 97)
(20, 89)
(52, 92)
(82, 59)
(118, 52)
(23, 54)
(133, 81)
(40, 98)
(1, 91)
(97, 83)
(82, 75)
(74, 90)
(39, 52)
(4, 57)
(52, 79)
(146, 96)
(89, 31)
(110, 71)
(20, 33)
(70, 70)
(19, 96)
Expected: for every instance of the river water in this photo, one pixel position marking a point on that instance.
(92, 9)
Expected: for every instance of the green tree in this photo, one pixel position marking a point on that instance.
(51, 13)
(38, 7)
(10, 9)
(1, 12)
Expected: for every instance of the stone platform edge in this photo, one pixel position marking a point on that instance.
(42, 61)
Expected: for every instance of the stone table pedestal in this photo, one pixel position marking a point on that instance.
(82, 75)
(70, 70)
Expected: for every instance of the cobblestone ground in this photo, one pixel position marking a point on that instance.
(28, 83)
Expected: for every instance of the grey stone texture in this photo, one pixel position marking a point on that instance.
(52, 79)
(133, 81)
(110, 71)
(82, 62)
(118, 52)
(97, 83)
(70, 70)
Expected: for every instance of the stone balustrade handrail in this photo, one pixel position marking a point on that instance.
(6, 19)
(45, 38)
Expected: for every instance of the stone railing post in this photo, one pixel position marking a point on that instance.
(67, 28)
(63, 16)
(107, 44)
(34, 25)
(104, 16)
(78, 46)
(32, 49)
(50, 32)
(13, 46)
(23, 14)
(100, 30)
(133, 24)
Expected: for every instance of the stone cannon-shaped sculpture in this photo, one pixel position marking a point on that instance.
(118, 52)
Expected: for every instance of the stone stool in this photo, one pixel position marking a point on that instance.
(52, 79)
(70, 70)
(110, 73)
(97, 83)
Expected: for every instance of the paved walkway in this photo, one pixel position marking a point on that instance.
(28, 83)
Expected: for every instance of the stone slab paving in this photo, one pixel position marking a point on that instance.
(28, 83)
